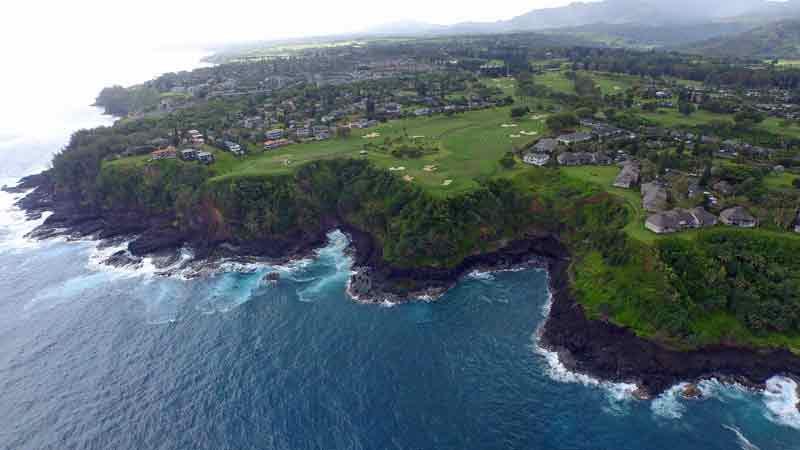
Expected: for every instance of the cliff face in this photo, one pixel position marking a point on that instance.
(390, 225)
(609, 352)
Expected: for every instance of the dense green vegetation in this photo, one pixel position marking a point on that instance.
(433, 190)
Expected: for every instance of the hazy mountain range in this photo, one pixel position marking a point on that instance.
(631, 23)
(776, 40)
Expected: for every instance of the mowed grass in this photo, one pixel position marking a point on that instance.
(471, 146)
(604, 177)
(781, 182)
(556, 81)
(607, 82)
(673, 118)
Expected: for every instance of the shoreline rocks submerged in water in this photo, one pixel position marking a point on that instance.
(597, 348)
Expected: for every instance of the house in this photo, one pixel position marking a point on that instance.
(704, 218)
(536, 159)
(654, 197)
(738, 217)
(205, 157)
(189, 154)
(670, 221)
(545, 145)
(575, 159)
(679, 220)
(302, 133)
(601, 159)
(234, 148)
(277, 143)
(723, 187)
(422, 112)
(274, 135)
(167, 153)
(629, 176)
(574, 138)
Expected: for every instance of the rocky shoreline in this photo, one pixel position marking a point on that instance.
(593, 347)
(613, 353)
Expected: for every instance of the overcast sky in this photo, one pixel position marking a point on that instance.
(58, 54)
(43, 24)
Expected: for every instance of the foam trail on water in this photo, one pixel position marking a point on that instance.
(743, 441)
(781, 400)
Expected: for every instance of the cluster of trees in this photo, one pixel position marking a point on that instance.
(120, 101)
(414, 228)
(755, 277)
(665, 64)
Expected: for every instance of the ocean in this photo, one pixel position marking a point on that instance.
(94, 357)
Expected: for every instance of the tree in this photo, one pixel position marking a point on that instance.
(796, 182)
(519, 111)
(747, 118)
(584, 112)
(508, 161)
(562, 121)
(686, 108)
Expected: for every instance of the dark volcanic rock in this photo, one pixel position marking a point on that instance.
(612, 353)
(156, 240)
(588, 346)
(122, 259)
(691, 391)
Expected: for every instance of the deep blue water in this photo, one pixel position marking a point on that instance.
(94, 358)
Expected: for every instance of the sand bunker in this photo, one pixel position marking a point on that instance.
(408, 178)
(528, 133)
(509, 125)
(431, 168)
(447, 182)
(372, 135)
(514, 136)
(397, 169)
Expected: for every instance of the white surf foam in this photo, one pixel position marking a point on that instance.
(781, 400)
(669, 404)
(14, 225)
(618, 394)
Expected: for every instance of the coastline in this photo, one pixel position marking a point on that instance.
(596, 348)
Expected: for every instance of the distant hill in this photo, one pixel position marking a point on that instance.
(645, 36)
(629, 23)
(642, 12)
(775, 40)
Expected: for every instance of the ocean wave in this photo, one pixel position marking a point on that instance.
(669, 404)
(15, 225)
(781, 400)
(618, 394)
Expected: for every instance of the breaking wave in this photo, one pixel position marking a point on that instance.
(618, 394)
(781, 400)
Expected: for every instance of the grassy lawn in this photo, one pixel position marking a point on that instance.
(672, 118)
(556, 81)
(781, 182)
(604, 176)
(471, 145)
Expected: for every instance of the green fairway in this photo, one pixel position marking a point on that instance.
(556, 81)
(471, 145)
(782, 181)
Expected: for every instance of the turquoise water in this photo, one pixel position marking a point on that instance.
(100, 358)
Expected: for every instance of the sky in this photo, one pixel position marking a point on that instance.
(104, 24)
(58, 54)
